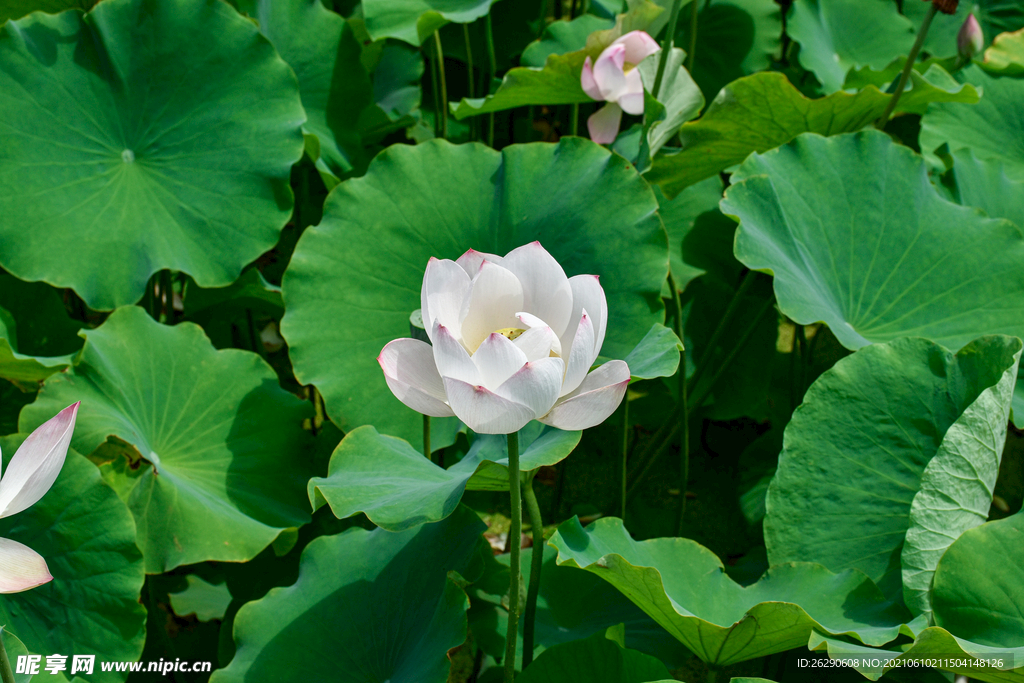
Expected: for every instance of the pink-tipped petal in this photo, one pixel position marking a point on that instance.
(632, 97)
(445, 286)
(604, 124)
(594, 401)
(497, 359)
(587, 293)
(409, 370)
(536, 385)
(473, 259)
(451, 359)
(35, 466)
(484, 411)
(639, 46)
(581, 355)
(608, 72)
(492, 304)
(587, 81)
(21, 568)
(546, 290)
(538, 342)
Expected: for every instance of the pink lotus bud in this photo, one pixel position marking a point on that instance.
(970, 40)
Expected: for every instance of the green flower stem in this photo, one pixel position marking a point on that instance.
(515, 533)
(167, 297)
(716, 336)
(536, 563)
(693, 36)
(426, 436)
(666, 46)
(254, 337)
(684, 449)
(6, 674)
(574, 116)
(444, 87)
(625, 452)
(471, 85)
(436, 97)
(908, 67)
(492, 70)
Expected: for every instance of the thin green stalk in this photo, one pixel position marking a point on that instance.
(254, 339)
(444, 87)
(684, 450)
(426, 436)
(536, 562)
(574, 123)
(6, 674)
(472, 79)
(801, 375)
(730, 311)
(434, 92)
(492, 70)
(515, 533)
(908, 67)
(712, 675)
(625, 451)
(666, 46)
(167, 296)
(694, 10)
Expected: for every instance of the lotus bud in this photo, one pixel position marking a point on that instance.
(970, 40)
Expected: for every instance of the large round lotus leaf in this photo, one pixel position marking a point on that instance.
(414, 20)
(209, 452)
(37, 337)
(993, 128)
(87, 537)
(323, 51)
(984, 184)
(760, 112)
(601, 657)
(1006, 54)
(127, 149)
(855, 451)
(683, 586)
(978, 591)
(367, 606)
(838, 35)
(995, 17)
(355, 278)
(858, 237)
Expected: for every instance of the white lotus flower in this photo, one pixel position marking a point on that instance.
(28, 476)
(513, 341)
(614, 79)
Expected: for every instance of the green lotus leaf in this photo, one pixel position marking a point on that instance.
(323, 51)
(995, 17)
(19, 367)
(933, 646)
(355, 278)
(558, 82)
(571, 605)
(978, 592)
(398, 488)
(679, 100)
(15, 9)
(208, 452)
(857, 236)
(993, 129)
(34, 322)
(152, 165)
(985, 184)
(735, 38)
(396, 81)
(15, 648)
(374, 602)
(601, 657)
(683, 587)
(838, 35)
(1006, 55)
(760, 112)
(87, 537)
(855, 451)
(415, 20)
(206, 600)
(956, 487)
(657, 354)
(679, 216)
(561, 37)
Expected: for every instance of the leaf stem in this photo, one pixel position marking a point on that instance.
(515, 533)
(444, 87)
(472, 79)
(6, 674)
(694, 10)
(536, 565)
(574, 124)
(666, 46)
(492, 70)
(625, 452)
(426, 436)
(436, 96)
(716, 336)
(684, 449)
(908, 67)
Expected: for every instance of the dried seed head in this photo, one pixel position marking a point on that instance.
(946, 6)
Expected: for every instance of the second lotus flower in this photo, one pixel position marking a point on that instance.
(614, 79)
(513, 340)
